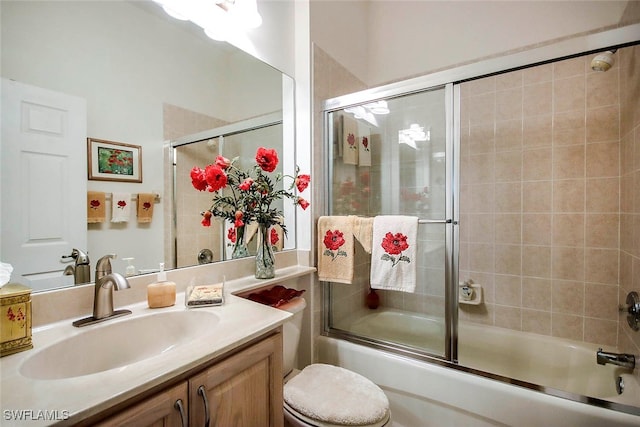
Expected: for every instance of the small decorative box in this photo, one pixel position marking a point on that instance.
(15, 319)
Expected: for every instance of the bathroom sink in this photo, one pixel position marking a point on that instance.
(118, 344)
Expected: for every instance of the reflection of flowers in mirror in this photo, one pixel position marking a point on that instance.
(244, 196)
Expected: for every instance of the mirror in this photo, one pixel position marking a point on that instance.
(147, 79)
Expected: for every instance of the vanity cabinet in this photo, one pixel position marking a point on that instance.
(244, 389)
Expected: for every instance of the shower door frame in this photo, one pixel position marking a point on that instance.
(451, 217)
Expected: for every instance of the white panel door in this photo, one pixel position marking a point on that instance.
(44, 176)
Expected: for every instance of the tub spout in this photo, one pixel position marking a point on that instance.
(620, 359)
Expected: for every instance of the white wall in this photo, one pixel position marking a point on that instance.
(399, 38)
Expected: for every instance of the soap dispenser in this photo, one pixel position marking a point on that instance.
(131, 269)
(162, 293)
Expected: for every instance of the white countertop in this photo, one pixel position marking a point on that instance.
(78, 398)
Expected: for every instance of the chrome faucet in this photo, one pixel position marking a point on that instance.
(81, 271)
(106, 280)
(620, 359)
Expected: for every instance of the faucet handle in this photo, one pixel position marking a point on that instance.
(103, 266)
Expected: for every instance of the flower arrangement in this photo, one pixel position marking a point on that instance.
(244, 196)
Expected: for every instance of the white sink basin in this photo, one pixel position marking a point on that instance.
(118, 344)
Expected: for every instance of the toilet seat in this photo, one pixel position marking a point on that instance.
(329, 396)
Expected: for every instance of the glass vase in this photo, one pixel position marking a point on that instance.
(265, 260)
(240, 247)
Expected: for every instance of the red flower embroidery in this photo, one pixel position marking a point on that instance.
(231, 235)
(215, 177)
(122, 204)
(273, 236)
(351, 140)
(333, 240)
(394, 244)
(302, 182)
(267, 159)
(146, 206)
(365, 143)
(95, 204)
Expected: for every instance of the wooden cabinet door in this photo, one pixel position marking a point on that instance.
(161, 410)
(244, 390)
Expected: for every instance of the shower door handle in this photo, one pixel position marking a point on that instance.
(437, 221)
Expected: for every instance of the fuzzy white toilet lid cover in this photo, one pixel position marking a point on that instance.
(336, 395)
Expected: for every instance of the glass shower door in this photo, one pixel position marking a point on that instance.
(392, 156)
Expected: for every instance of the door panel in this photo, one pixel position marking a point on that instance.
(43, 182)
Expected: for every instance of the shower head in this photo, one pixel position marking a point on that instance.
(603, 61)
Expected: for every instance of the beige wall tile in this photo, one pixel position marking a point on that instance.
(601, 301)
(538, 322)
(508, 166)
(601, 265)
(508, 290)
(537, 131)
(568, 263)
(569, 162)
(508, 135)
(508, 259)
(568, 229)
(569, 128)
(541, 73)
(536, 164)
(509, 104)
(569, 94)
(569, 195)
(567, 297)
(481, 228)
(603, 195)
(536, 261)
(537, 99)
(602, 332)
(567, 326)
(570, 67)
(508, 197)
(508, 228)
(603, 159)
(536, 196)
(536, 294)
(508, 317)
(536, 229)
(602, 89)
(601, 230)
(509, 80)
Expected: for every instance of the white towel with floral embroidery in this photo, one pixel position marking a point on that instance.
(393, 253)
(120, 207)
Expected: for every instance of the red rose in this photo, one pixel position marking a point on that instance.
(239, 216)
(198, 179)
(222, 162)
(146, 206)
(206, 219)
(365, 142)
(95, 204)
(216, 178)
(333, 239)
(351, 139)
(303, 203)
(231, 235)
(274, 236)
(394, 244)
(122, 204)
(302, 182)
(267, 159)
(246, 184)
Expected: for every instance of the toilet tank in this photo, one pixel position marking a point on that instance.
(291, 333)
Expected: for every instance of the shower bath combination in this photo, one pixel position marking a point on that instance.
(520, 185)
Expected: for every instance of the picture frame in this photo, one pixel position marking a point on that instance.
(113, 161)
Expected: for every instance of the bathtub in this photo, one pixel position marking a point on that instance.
(430, 394)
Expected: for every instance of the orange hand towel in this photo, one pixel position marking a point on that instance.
(336, 249)
(145, 207)
(96, 207)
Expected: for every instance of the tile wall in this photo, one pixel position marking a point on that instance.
(540, 201)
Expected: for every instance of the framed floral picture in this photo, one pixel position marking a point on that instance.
(114, 161)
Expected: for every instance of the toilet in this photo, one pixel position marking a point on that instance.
(324, 395)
